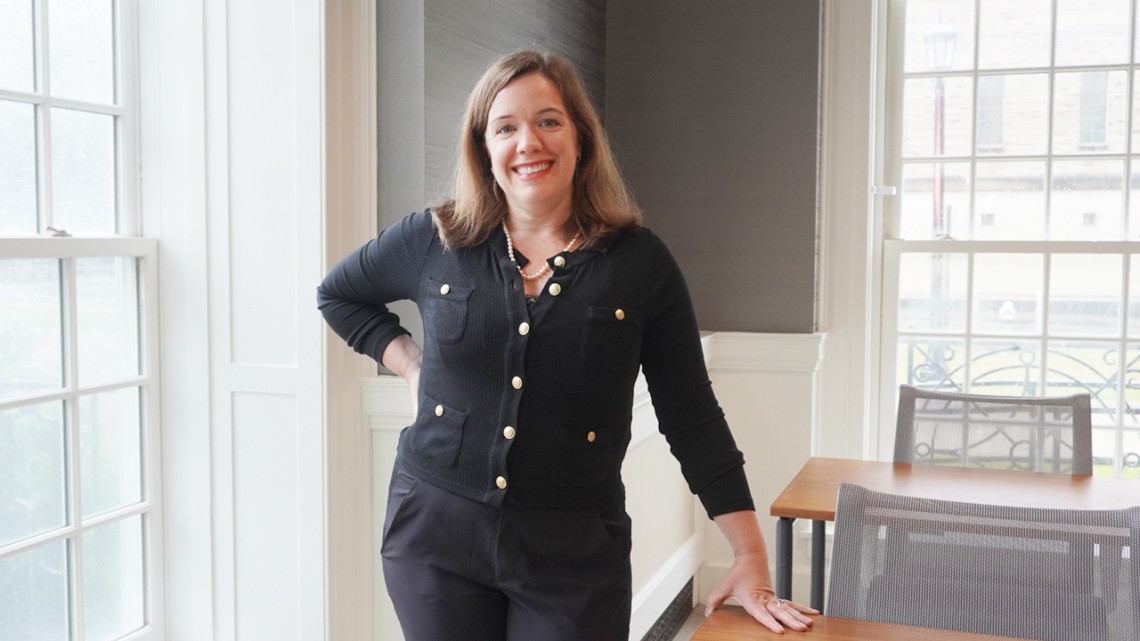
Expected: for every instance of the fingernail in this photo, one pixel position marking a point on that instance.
(708, 611)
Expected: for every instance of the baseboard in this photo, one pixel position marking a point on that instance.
(658, 592)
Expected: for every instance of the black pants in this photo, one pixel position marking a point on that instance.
(460, 570)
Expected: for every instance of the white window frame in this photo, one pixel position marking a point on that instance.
(892, 249)
(67, 250)
(126, 242)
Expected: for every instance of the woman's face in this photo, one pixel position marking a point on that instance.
(533, 146)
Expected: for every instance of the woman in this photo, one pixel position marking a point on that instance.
(542, 296)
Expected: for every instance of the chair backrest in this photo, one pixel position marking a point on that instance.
(1031, 573)
(997, 432)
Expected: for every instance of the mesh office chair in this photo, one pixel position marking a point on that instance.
(1023, 572)
(995, 432)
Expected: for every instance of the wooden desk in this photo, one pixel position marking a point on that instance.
(813, 491)
(734, 624)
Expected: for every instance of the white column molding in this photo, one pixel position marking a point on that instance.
(350, 219)
(848, 253)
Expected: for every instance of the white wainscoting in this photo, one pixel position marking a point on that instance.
(767, 386)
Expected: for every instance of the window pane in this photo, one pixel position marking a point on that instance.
(82, 57)
(1013, 35)
(113, 579)
(1131, 418)
(990, 126)
(1134, 302)
(920, 204)
(1009, 200)
(83, 172)
(107, 313)
(932, 362)
(17, 168)
(110, 451)
(1084, 295)
(933, 102)
(939, 34)
(1130, 455)
(1023, 113)
(932, 292)
(1087, 200)
(1007, 293)
(32, 477)
(17, 70)
(31, 326)
(1103, 451)
(1089, 112)
(1007, 368)
(1091, 32)
(1076, 367)
(34, 585)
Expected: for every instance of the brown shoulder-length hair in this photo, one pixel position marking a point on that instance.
(601, 201)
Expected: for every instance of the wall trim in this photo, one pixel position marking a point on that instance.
(754, 352)
(652, 599)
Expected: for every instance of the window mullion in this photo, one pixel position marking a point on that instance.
(43, 167)
(68, 272)
(968, 338)
(1122, 346)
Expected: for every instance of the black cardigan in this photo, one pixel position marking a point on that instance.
(532, 405)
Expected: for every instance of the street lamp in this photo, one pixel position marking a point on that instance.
(939, 43)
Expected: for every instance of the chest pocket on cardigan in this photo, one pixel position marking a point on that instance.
(612, 338)
(445, 310)
(588, 456)
(438, 432)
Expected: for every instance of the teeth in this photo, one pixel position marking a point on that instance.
(533, 169)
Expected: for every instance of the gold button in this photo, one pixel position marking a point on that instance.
(554, 289)
(516, 382)
(619, 314)
(591, 437)
(508, 432)
(444, 289)
(501, 483)
(439, 410)
(524, 328)
(559, 261)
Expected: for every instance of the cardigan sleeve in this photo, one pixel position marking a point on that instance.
(354, 296)
(688, 413)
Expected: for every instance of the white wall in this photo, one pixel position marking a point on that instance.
(233, 186)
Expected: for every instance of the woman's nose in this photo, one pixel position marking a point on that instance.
(528, 140)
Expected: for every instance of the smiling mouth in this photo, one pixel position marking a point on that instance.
(533, 169)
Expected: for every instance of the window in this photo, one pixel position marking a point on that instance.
(79, 517)
(1012, 252)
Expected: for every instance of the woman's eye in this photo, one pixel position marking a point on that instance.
(549, 122)
(504, 129)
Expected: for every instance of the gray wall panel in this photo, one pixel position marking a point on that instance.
(713, 111)
(712, 108)
(430, 54)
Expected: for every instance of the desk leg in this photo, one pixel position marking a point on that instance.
(784, 557)
(818, 553)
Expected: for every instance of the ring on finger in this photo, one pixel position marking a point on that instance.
(778, 602)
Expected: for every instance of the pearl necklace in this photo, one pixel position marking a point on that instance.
(545, 266)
